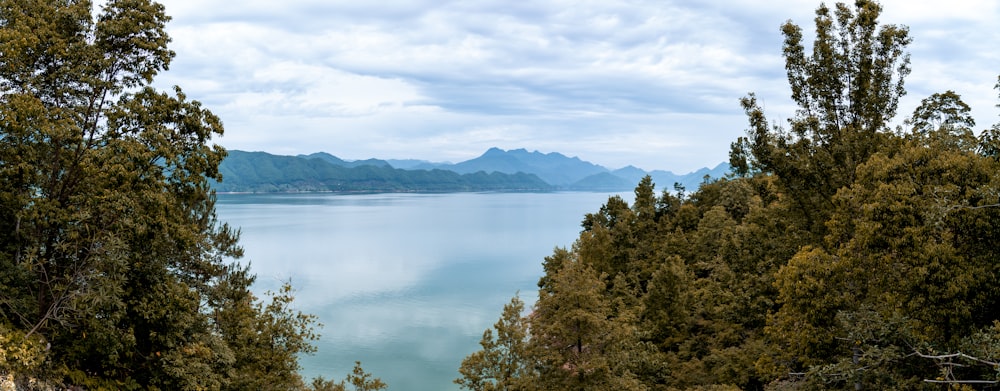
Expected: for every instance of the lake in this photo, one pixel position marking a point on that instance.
(404, 283)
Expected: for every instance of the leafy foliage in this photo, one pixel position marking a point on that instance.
(847, 90)
(841, 254)
(113, 270)
(358, 379)
(504, 363)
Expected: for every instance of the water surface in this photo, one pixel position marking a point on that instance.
(404, 283)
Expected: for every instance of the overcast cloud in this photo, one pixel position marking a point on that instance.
(655, 84)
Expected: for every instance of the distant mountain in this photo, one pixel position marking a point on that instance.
(575, 174)
(343, 163)
(691, 181)
(632, 173)
(414, 164)
(554, 168)
(495, 170)
(626, 179)
(603, 181)
(263, 172)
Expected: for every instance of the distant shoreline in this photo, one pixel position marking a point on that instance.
(356, 192)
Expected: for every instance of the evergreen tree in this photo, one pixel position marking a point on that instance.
(575, 338)
(847, 91)
(504, 363)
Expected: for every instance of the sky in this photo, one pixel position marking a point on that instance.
(655, 84)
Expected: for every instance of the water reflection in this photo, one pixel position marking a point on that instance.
(406, 283)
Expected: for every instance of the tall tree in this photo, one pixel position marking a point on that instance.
(847, 90)
(111, 256)
(577, 338)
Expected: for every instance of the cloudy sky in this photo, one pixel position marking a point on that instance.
(652, 83)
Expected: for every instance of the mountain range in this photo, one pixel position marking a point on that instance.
(494, 170)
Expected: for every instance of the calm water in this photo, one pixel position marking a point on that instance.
(404, 283)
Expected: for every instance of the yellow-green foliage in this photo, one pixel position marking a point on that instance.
(20, 354)
(840, 253)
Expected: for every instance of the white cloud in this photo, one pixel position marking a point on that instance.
(321, 91)
(445, 79)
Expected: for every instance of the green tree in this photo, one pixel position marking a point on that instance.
(111, 256)
(358, 379)
(911, 266)
(847, 87)
(576, 338)
(989, 139)
(265, 337)
(666, 304)
(504, 362)
(847, 90)
(939, 111)
(840, 253)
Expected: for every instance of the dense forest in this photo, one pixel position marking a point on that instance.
(842, 252)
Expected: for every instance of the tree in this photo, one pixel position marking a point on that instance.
(989, 139)
(939, 111)
(358, 379)
(504, 362)
(265, 338)
(111, 256)
(666, 304)
(841, 254)
(911, 265)
(847, 91)
(576, 339)
(57, 87)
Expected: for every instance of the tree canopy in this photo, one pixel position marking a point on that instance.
(114, 270)
(841, 253)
